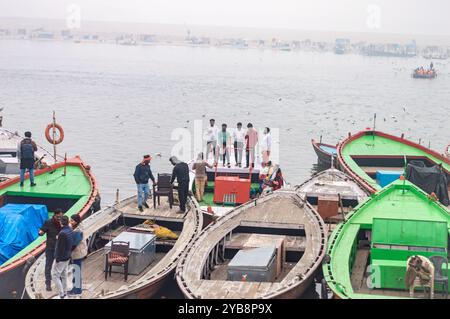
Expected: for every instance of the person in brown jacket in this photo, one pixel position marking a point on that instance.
(200, 176)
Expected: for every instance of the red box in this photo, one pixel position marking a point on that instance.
(233, 187)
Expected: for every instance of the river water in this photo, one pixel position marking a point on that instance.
(117, 103)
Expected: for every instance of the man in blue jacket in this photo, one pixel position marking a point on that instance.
(63, 251)
(142, 174)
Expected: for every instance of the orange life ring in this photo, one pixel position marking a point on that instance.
(48, 134)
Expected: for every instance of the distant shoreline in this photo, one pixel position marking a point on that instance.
(220, 32)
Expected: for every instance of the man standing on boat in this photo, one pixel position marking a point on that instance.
(142, 174)
(239, 139)
(63, 251)
(266, 145)
(211, 138)
(181, 173)
(224, 139)
(51, 227)
(25, 153)
(251, 140)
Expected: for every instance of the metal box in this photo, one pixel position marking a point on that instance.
(257, 265)
(142, 251)
(231, 190)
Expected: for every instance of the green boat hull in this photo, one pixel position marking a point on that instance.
(399, 221)
(70, 186)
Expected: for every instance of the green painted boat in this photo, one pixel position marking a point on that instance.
(367, 254)
(363, 154)
(68, 185)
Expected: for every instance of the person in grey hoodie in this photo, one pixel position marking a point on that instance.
(79, 252)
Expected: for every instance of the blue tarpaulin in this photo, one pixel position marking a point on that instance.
(384, 178)
(19, 226)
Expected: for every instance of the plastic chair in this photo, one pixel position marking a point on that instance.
(440, 275)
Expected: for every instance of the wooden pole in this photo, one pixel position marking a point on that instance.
(54, 135)
(65, 164)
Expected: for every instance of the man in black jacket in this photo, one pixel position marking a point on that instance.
(142, 174)
(181, 173)
(51, 228)
(63, 251)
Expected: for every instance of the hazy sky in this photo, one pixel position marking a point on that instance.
(390, 16)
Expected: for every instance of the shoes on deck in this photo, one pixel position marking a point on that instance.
(33, 184)
(141, 209)
(180, 212)
(48, 287)
(21, 184)
(146, 205)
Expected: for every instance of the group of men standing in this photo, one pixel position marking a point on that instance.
(221, 142)
(65, 243)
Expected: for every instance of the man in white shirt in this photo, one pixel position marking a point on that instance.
(266, 145)
(239, 139)
(211, 138)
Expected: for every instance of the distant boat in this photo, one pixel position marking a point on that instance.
(424, 74)
(324, 152)
(375, 158)
(267, 248)
(435, 56)
(367, 255)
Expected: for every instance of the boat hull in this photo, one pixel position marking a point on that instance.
(323, 157)
(12, 276)
(344, 166)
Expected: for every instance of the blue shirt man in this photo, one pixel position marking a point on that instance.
(142, 174)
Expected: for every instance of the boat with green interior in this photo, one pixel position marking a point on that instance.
(375, 159)
(68, 185)
(367, 254)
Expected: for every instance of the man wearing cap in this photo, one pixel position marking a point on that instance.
(142, 174)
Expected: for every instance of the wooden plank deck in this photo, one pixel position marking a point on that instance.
(94, 284)
(161, 212)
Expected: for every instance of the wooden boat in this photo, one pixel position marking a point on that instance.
(332, 193)
(67, 185)
(108, 224)
(281, 219)
(367, 255)
(447, 151)
(325, 152)
(427, 74)
(363, 154)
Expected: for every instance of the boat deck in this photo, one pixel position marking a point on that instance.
(162, 212)
(273, 211)
(94, 284)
